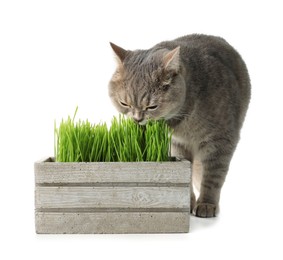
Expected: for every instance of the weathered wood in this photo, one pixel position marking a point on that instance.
(112, 222)
(99, 172)
(108, 197)
(142, 197)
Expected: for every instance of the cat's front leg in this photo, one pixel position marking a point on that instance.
(215, 167)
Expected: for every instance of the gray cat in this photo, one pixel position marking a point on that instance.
(200, 85)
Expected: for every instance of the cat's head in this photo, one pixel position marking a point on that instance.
(148, 84)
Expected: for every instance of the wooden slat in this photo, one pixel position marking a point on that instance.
(150, 172)
(111, 197)
(90, 223)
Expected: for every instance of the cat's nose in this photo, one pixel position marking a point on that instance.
(138, 116)
(138, 119)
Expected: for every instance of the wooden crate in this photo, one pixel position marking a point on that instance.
(139, 197)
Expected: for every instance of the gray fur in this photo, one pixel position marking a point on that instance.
(201, 86)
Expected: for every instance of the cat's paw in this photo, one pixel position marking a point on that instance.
(205, 210)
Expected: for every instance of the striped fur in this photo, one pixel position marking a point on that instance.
(201, 86)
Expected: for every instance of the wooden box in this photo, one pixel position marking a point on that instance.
(138, 197)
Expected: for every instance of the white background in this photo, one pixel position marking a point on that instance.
(55, 55)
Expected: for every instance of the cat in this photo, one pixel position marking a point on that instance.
(200, 85)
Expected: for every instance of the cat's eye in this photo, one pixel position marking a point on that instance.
(151, 108)
(123, 104)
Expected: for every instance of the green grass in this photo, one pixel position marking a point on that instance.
(124, 141)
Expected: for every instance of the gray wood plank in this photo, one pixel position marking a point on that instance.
(151, 172)
(112, 197)
(91, 223)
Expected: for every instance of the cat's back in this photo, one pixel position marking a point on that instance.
(196, 43)
(207, 48)
(200, 41)
(200, 49)
(214, 69)
(207, 55)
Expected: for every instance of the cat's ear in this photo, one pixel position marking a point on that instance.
(171, 59)
(120, 52)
